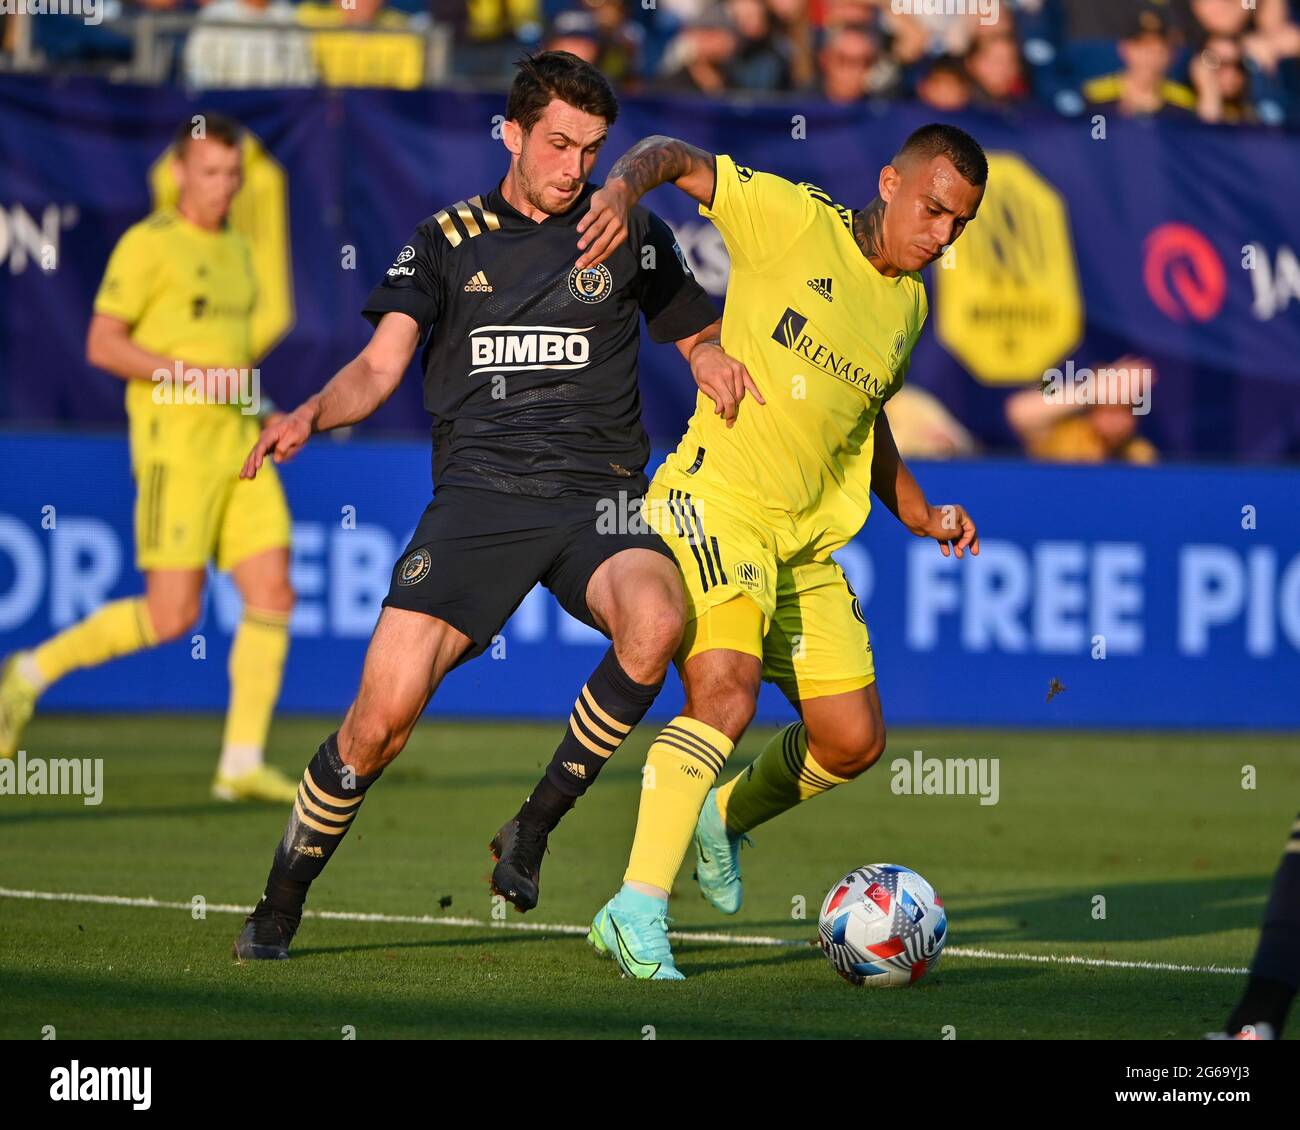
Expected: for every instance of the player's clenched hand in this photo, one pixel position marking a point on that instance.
(604, 226)
(281, 438)
(952, 527)
(722, 379)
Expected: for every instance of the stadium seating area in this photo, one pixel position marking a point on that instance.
(1221, 60)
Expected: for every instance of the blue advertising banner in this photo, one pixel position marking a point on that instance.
(1098, 238)
(1103, 597)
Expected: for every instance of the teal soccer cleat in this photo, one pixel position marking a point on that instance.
(717, 858)
(632, 928)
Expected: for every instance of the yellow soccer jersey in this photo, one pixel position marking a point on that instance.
(826, 338)
(186, 293)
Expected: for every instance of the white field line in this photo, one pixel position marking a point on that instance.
(580, 931)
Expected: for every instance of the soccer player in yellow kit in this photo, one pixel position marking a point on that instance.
(823, 307)
(178, 294)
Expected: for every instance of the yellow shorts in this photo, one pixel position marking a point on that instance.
(186, 515)
(803, 621)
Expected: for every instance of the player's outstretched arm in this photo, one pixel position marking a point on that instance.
(894, 485)
(656, 160)
(352, 394)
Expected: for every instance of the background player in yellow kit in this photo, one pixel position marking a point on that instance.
(172, 320)
(823, 307)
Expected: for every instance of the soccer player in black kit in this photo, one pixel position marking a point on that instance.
(530, 376)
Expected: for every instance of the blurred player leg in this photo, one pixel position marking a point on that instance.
(121, 627)
(1275, 972)
(253, 546)
(636, 599)
(408, 656)
(256, 670)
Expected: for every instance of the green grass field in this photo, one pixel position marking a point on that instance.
(1159, 825)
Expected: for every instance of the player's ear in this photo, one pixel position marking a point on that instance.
(889, 180)
(512, 133)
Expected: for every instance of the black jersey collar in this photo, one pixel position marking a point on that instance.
(499, 204)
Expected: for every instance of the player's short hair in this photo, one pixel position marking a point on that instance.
(558, 74)
(209, 126)
(939, 140)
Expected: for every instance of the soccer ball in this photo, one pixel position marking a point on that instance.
(883, 926)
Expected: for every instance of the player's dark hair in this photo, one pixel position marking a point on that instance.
(200, 126)
(558, 74)
(939, 140)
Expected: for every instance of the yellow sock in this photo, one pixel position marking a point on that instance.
(683, 763)
(784, 775)
(119, 628)
(256, 669)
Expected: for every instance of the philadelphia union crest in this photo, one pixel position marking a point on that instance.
(590, 284)
(415, 568)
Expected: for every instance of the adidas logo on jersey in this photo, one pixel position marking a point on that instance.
(478, 284)
(822, 287)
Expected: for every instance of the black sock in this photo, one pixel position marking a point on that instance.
(606, 711)
(329, 798)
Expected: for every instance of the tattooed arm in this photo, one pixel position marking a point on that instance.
(648, 164)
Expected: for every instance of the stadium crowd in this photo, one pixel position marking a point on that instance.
(1219, 60)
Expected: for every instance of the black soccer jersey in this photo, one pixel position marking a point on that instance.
(530, 370)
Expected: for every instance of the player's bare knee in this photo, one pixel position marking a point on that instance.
(278, 598)
(172, 619)
(726, 706)
(654, 636)
(370, 740)
(848, 752)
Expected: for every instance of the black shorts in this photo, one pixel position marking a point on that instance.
(477, 553)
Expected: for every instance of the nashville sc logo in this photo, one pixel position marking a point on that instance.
(795, 333)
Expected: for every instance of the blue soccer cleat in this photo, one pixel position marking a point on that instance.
(717, 858)
(632, 928)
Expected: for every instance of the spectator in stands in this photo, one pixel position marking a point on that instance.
(697, 61)
(946, 86)
(793, 18)
(620, 41)
(852, 67)
(363, 44)
(576, 33)
(266, 49)
(1221, 83)
(488, 35)
(600, 34)
(1142, 88)
(761, 62)
(997, 72)
(1255, 47)
(929, 29)
(1054, 428)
